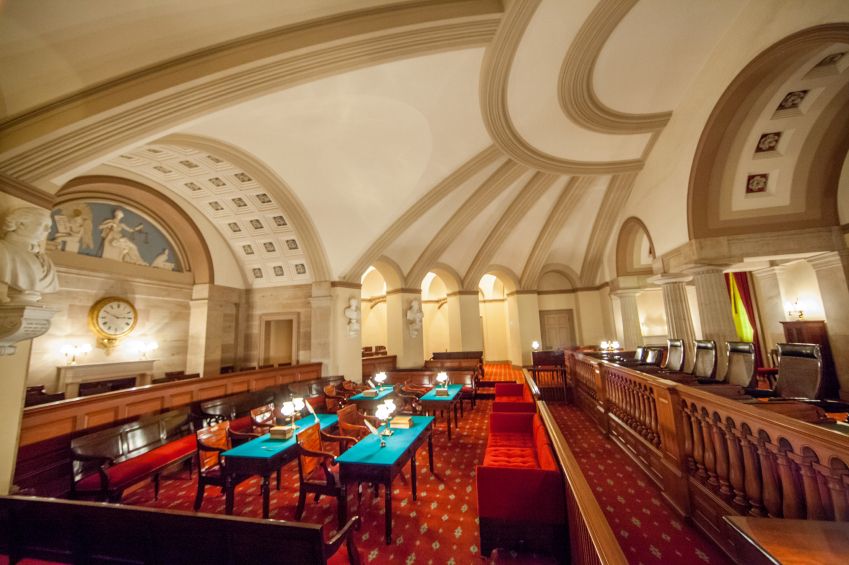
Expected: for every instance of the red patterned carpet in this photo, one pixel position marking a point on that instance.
(501, 372)
(440, 527)
(648, 530)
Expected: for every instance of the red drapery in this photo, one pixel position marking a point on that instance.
(741, 280)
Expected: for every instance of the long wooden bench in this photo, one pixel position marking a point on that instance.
(65, 531)
(108, 461)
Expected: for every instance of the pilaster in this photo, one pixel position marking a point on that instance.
(404, 331)
(464, 321)
(679, 323)
(632, 335)
(831, 270)
(770, 304)
(523, 322)
(714, 311)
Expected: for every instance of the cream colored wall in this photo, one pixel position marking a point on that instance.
(494, 314)
(652, 316)
(163, 316)
(435, 328)
(594, 319)
(799, 281)
(563, 301)
(374, 324)
(280, 300)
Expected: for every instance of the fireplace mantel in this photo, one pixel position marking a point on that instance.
(70, 376)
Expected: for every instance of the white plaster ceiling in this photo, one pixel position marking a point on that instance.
(570, 245)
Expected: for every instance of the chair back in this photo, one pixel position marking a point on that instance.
(741, 363)
(308, 438)
(640, 353)
(211, 436)
(654, 355)
(351, 422)
(704, 361)
(263, 416)
(675, 355)
(799, 370)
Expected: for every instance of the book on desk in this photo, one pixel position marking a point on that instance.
(370, 393)
(404, 422)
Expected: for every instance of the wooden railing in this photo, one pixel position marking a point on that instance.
(551, 382)
(374, 365)
(713, 456)
(591, 540)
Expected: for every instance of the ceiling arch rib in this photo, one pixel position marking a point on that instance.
(495, 77)
(500, 180)
(575, 90)
(52, 139)
(570, 196)
(448, 185)
(614, 199)
(533, 190)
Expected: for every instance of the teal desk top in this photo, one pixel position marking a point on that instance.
(384, 392)
(264, 447)
(368, 450)
(453, 391)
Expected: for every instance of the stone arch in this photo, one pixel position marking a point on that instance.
(732, 132)
(507, 277)
(391, 273)
(632, 237)
(171, 218)
(449, 276)
(565, 271)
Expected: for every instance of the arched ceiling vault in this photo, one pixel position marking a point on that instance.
(459, 137)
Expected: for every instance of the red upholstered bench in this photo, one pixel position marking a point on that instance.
(108, 461)
(513, 397)
(521, 502)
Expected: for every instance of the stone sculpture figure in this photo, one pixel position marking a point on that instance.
(73, 223)
(25, 271)
(352, 312)
(414, 317)
(161, 261)
(115, 244)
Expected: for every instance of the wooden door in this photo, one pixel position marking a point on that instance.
(558, 329)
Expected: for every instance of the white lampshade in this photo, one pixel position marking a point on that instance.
(604, 344)
(441, 377)
(288, 409)
(85, 348)
(614, 345)
(298, 402)
(535, 345)
(382, 412)
(380, 377)
(390, 405)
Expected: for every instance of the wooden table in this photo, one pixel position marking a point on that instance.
(769, 541)
(368, 462)
(431, 403)
(263, 456)
(370, 403)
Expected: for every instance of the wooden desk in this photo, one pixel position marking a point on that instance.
(431, 403)
(262, 456)
(370, 403)
(790, 542)
(368, 462)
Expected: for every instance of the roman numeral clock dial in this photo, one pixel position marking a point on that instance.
(111, 319)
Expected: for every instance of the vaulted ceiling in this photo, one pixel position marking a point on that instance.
(312, 138)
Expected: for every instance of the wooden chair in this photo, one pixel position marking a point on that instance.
(315, 472)
(212, 442)
(675, 356)
(262, 419)
(350, 388)
(704, 364)
(741, 364)
(334, 398)
(351, 423)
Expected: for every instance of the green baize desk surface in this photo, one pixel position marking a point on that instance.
(368, 451)
(383, 393)
(453, 391)
(264, 447)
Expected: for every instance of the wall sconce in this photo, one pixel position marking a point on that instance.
(143, 348)
(535, 345)
(794, 310)
(74, 353)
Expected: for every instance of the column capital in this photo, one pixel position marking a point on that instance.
(830, 260)
(628, 284)
(708, 269)
(670, 278)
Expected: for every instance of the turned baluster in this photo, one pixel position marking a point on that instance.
(698, 450)
(838, 494)
(791, 497)
(752, 473)
(721, 451)
(688, 439)
(814, 509)
(644, 412)
(735, 465)
(620, 396)
(772, 495)
(631, 405)
(709, 454)
(655, 433)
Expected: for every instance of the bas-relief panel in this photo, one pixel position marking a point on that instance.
(110, 231)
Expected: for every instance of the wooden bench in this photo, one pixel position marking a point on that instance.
(68, 531)
(108, 461)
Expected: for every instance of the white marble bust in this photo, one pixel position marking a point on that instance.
(25, 271)
(414, 317)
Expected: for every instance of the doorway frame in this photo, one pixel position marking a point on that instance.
(277, 317)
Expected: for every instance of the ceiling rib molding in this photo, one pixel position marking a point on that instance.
(615, 197)
(39, 148)
(448, 185)
(495, 76)
(569, 198)
(268, 179)
(575, 90)
(26, 191)
(498, 182)
(526, 198)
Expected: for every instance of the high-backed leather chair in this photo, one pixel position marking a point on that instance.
(640, 354)
(799, 370)
(741, 363)
(674, 355)
(704, 359)
(654, 356)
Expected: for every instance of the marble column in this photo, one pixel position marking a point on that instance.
(464, 321)
(831, 270)
(679, 323)
(335, 341)
(632, 334)
(524, 328)
(714, 311)
(404, 337)
(770, 305)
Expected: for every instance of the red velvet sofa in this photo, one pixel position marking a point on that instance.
(521, 501)
(513, 397)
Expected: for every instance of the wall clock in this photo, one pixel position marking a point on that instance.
(112, 318)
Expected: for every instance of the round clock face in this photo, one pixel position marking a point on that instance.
(113, 317)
